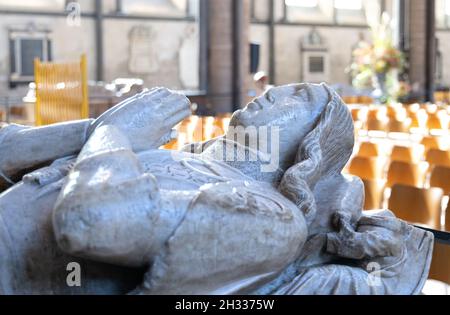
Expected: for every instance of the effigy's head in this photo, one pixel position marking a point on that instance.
(301, 111)
(282, 104)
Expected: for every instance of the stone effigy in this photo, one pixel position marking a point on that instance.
(222, 217)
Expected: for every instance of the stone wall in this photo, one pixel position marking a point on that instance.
(166, 42)
(68, 43)
(174, 45)
(288, 37)
(444, 47)
(288, 63)
(443, 35)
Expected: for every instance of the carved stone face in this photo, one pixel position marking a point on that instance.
(294, 109)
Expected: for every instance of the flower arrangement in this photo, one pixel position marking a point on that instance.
(377, 64)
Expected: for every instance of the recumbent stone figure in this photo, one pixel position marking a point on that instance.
(143, 220)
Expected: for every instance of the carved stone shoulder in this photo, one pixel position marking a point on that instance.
(234, 238)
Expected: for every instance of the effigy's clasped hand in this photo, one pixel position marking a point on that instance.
(148, 118)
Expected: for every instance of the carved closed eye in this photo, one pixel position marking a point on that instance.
(270, 97)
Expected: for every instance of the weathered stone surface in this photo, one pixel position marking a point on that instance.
(214, 221)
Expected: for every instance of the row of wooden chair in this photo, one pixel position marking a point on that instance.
(431, 122)
(432, 149)
(400, 118)
(432, 142)
(440, 263)
(407, 182)
(419, 206)
(396, 110)
(400, 172)
(439, 97)
(414, 155)
(358, 99)
(412, 204)
(198, 129)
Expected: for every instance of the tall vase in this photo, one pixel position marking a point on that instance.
(380, 94)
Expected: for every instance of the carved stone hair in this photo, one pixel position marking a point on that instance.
(324, 152)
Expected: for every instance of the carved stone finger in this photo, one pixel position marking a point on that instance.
(156, 93)
(178, 117)
(174, 101)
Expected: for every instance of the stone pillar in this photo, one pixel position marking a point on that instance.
(422, 52)
(228, 51)
(242, 75)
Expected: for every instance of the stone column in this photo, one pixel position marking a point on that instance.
(422, 52)
(228, 64)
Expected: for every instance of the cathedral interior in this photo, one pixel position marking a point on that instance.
(387, 60)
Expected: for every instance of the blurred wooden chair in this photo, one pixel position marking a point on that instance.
(367, 168)
(208, 127)
(440, 263)
(445, 118)
(438, 157)
(397, 112)
(410, 154)
(366, 100)
(182, 129)
(355, 114)
(376, 125)
(437, 120)
(370, 149)
(172, 145)
(222, 124)
(61, 91)
(432, 142)
(350, 99)
(399, 136)
(219, 127)
(415, 121)
(440, 177)
(418, 118)
(196, 130)
(392, 111)
(416, 205)
(447, 217)
(377, 119)
(430, 108)
(187, 128)
(396, 125)
(411, 109)
(358, 127)
(407, 174)
(374, 193)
